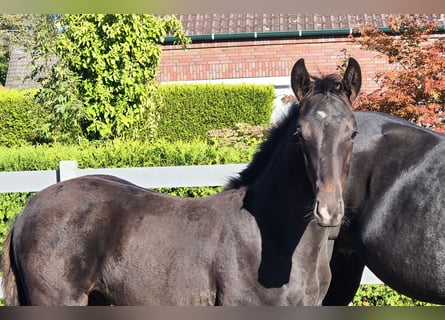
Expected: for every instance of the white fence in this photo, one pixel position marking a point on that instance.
(147, 177)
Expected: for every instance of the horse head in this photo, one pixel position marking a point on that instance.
(325, 131)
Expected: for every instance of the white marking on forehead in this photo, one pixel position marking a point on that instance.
(322, 114)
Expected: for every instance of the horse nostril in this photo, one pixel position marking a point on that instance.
(317, 208)
(321, 212)
(341, 207)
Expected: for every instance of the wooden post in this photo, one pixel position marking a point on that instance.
(67, 170)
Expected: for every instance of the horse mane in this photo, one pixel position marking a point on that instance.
(324, 84)
(266, 149)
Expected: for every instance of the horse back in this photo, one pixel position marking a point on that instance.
(101, 233)
(386, 148)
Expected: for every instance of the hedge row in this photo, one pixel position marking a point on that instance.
(188, 112)
(120, 154)
(17, 122)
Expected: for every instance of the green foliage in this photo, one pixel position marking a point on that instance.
(245, 136)
(191, 111)
(59, 107)
(16, 30)
(4, 61)
(382, 295)
(11, 204)
(120, 154)
(109, 62)
(18, 124)
(193, 192)
(218, 123)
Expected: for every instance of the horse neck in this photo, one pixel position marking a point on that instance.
(276, 179)
(282, 189)
(279, 200)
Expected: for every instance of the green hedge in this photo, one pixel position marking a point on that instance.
(120, 154)
(190, 111)
(17, 122)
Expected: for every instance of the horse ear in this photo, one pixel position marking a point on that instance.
(352, 79)
(300, 79)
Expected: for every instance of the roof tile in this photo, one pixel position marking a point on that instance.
(199, 24)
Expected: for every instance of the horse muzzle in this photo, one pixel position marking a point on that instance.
(328, 210)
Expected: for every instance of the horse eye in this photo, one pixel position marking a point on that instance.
(299, 135)
(354, 134)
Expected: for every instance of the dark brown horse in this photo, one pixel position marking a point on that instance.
(395, 207)
(263, 241)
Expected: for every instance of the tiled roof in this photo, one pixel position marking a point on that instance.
(198, 24)
(20, 68)
(206, 24)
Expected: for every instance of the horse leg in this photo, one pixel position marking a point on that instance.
(67, 293)
(35, 279)
(49, 284)
(346, 272)
(60, 297)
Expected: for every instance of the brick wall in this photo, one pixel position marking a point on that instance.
(263, 58)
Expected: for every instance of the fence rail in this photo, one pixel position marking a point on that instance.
(147, 177)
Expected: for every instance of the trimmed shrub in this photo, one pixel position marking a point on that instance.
(120, 154)
(191, 111)
(17, 121)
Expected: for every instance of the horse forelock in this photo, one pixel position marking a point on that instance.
(326, 83)
(329, 86)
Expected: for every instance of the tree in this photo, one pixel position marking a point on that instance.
(414, 88)
(103, 85)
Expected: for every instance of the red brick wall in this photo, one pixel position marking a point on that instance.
(263, 58)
